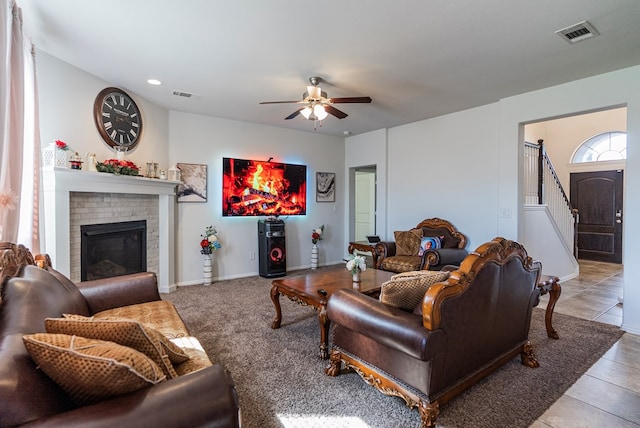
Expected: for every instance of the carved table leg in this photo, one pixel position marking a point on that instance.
(554, 295)
(324, 332)
(275, 298)
(551, 285)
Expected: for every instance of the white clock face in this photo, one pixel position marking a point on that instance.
(118, 118)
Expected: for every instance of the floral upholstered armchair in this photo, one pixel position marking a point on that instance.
(431, 245)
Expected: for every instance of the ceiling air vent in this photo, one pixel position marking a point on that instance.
(578, 32)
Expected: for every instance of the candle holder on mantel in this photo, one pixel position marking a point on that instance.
(152, 170)
(120, 152)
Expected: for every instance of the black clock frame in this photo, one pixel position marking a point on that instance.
(120, 131)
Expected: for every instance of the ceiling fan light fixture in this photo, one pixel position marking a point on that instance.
(306, 112)
(316, 104)
(319, 111)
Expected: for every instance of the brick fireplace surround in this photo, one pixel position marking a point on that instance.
(73, 198)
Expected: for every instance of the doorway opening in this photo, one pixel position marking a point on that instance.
(564, 140)
(362, 216)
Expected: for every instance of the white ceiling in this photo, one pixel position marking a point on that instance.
(416, 58)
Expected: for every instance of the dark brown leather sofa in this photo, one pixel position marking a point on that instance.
(402, 255)
(465, 328)
(206, 397)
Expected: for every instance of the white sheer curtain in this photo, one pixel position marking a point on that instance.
(19, 137)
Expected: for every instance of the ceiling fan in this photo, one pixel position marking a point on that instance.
(316, 105)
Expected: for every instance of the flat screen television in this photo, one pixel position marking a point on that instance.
(261, 188)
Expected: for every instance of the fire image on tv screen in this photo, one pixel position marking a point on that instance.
(260, 188)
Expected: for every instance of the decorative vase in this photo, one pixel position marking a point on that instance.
(207, 270)
(356, 276)
(314, 256)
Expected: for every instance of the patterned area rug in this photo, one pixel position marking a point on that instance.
(281, 382)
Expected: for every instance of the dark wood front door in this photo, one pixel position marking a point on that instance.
(598, 198)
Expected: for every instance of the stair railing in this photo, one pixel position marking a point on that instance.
(543, 187)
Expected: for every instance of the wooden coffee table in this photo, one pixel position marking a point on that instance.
(314, 289)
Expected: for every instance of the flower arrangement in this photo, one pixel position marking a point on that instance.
(61, 145)
(209, 242)
(316, 234)
(356, 264)
(118, 167)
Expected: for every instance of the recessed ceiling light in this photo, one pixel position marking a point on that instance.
(155, 82)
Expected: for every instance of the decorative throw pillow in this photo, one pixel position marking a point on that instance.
(408, 242)
(446, 238)
(123, 331)
(429, 243)
(407, 289)
(91, 370)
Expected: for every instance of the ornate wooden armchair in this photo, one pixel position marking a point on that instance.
(432, 244)
(464, 329)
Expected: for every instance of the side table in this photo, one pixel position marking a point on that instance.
(364, 247)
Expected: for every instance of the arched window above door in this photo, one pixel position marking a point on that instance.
(607, 146)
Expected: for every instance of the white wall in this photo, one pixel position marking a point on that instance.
(66, 96)
(543, 240)
(202, 139)
(446, 167)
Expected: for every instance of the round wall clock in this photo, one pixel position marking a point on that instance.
(118, 118)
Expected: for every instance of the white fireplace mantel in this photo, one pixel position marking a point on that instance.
(58, 183)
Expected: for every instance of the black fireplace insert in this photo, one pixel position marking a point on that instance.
(113, 249)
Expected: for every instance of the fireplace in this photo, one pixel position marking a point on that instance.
(113, 249)
(73, 198)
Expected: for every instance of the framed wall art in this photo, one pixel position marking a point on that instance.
(194, 182)
(325, 186)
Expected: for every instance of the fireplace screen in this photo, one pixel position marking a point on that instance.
(113, 249)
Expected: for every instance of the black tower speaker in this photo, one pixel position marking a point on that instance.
(271, 248)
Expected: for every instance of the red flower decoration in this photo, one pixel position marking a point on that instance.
(204, 243)
(62, 145)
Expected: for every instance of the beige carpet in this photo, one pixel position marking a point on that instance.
(281, 383)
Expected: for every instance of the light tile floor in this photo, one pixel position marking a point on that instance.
(608, 394)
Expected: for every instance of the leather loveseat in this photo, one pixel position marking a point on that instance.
(463, 329)
(200, 393)
(431, 245)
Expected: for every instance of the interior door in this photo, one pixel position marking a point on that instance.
(365, 204)
(598, 198)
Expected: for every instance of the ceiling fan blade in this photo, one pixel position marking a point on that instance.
(279, 102)
(334, 111)
(351, 100)
(294, 114)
